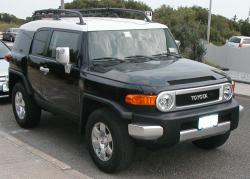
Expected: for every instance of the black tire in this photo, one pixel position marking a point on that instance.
(123, 145)
(32, 115)
(212, 142)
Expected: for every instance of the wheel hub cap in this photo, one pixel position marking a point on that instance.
(102, 141)
(20, 105)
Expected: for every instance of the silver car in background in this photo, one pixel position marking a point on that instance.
(4, 71)
(239, 42)
(10, 34)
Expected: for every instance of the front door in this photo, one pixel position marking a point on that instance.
(35, 59)
(61, 89)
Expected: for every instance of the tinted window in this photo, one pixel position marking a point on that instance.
(39, 42)
(23, 41)
(235, 40)
(64, 39)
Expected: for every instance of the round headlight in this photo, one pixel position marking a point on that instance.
(228, 92)
(165, 102)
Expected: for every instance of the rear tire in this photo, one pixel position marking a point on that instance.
(122, 145)
(212, 142)
(26, 111)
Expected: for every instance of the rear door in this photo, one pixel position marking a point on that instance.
(61, 89)
(36, 58)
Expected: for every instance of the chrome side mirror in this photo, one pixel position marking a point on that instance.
(178, 43)
(63, 57)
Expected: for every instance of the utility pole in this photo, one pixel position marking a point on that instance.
(62, 4)
(209, 21)
(249, 16)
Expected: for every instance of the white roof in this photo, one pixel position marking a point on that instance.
(93, 24)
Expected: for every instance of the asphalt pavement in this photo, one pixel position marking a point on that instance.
(58, 137)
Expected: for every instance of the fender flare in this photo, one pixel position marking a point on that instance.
(24, 79)
(121, 111)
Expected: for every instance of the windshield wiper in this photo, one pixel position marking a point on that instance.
(167, 55)
(108, 59)
(135, 58)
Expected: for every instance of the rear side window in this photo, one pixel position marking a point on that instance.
(65, 39)
(23, 42)
(235, 40)
(39, 42)
(246, 41)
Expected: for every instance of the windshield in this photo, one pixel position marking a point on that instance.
(127, 43)
(3, 50)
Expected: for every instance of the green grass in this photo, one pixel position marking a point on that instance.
(4, 26)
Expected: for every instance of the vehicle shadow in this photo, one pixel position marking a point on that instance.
(5, 101)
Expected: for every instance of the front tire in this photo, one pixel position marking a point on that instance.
(26, 111)
(109, 144)
(212, 142)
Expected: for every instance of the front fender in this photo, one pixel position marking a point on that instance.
(88, 99)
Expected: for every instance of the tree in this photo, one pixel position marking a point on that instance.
(86, 4)
(235, 18)
(245, 28)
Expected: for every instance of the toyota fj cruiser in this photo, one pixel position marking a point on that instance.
(121, 79)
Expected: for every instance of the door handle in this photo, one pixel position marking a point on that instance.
(44, 70)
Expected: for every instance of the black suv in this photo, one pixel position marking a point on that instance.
(122, 80)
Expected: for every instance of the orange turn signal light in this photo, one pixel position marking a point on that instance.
(8, 57)
(141, 100)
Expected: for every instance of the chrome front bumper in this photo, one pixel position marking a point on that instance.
(145, 132)
(154, 132)
(194, 134)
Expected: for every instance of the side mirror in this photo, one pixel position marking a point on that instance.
(63, 57)
(149, 14)
(178, 43)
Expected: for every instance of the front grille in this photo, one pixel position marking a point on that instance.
(197, 98)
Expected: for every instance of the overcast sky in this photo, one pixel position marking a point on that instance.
(228, 8)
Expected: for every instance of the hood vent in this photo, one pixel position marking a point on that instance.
(191, 80)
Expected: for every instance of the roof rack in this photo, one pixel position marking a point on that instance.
(57, 14)
(111, 12)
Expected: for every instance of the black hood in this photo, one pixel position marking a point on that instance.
(159, 73)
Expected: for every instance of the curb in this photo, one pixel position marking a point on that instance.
(53, 161)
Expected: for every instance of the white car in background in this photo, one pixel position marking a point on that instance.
(239, 42)
(4, 71)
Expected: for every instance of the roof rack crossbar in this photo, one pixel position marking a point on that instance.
(110, 11)
(57, 14)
